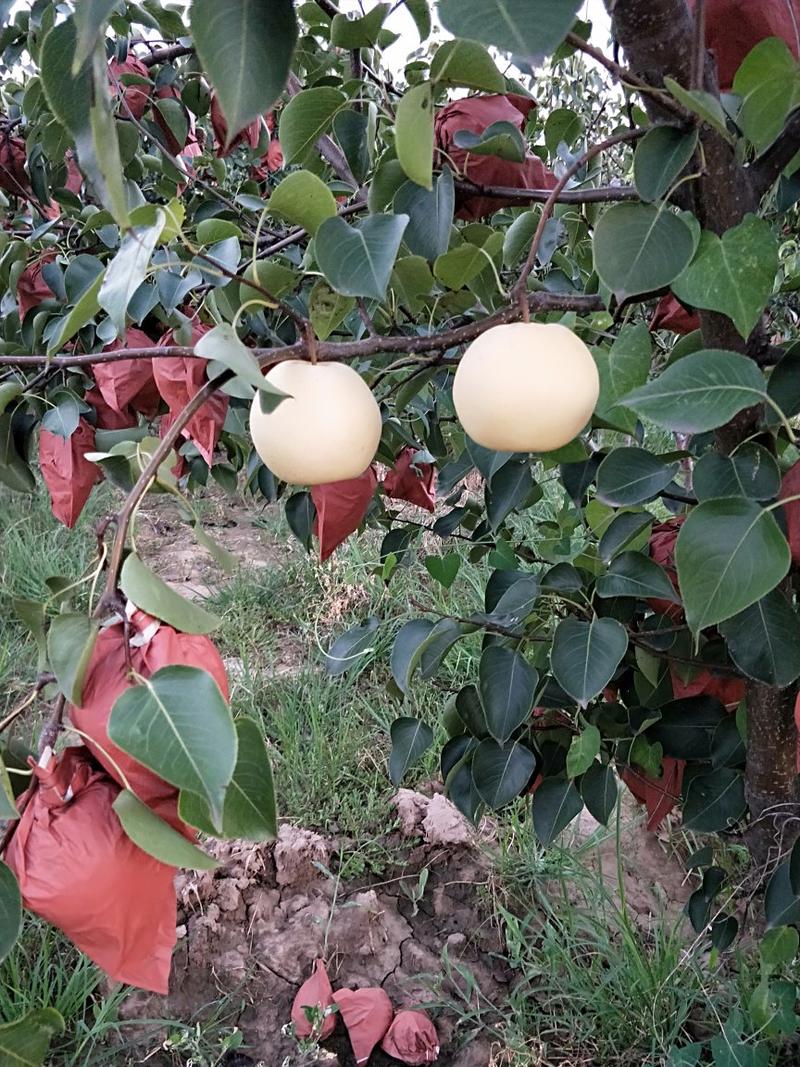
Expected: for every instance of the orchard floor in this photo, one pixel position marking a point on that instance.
(574, 957)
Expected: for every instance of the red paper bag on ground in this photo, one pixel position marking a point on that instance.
(341, 506)
(153, 646)
(13, 176)
(136, 95)
(790, 486)
(315, 992)
(670, 314)
(659, 795)
(734, 28)
(412, 1039)
(250, 135)
(128, 384)
(68, 475)
(178, 379)
(415, 483)
(32, 289)
(475, 113)
(78, 869)
(367, 1014)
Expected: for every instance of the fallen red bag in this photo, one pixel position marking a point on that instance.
(367, 1014)
(154, 645)
(341, 506)
(659, 795)
(412, 1039)
(476, 113)
(178, 379)
(136, 95)
(315, 992)
(68, 475)
(13, 176)
(78, 869)
(32, 289)
(128, 384)
(415, 483)
(734, 28)
(670, 314)
(250, 135)
(790, 486)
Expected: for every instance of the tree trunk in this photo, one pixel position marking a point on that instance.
(657, 37)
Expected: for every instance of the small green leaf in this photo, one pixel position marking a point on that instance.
(555, 804)
(126, 271)
(768, 81)
(152, 595)
(622, 531)
(304, 199)
(622, 368)
(528, 29)
(705, 105)
(430, 217)
(306, 118)
(91, 18)
(752, 472)
(411, 738)
(660, 157)
(599, 791)
(10, 910)
(468, 64)
(70, 643)
(501, 139)
(633, 574)
(300, 515)
(632, 476)
(223, 345)
(781, 901)
(414, 134)
(764, 640)
(501, 772)
(639, 248)
(83, 312)
(156, 837)
(509, 489)
(358, 32)
(348, 650)
(443, 569)
(779, 947)
(714, 801)
(407, 649)
(583, 751)
(26, 1041)
(357, 260)
(9, 391)
(585, 655)
(508, 685)
(327, 309)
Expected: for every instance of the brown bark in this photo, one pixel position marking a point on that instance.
(771, 780)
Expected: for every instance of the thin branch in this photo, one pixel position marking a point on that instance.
(327, 148)
(164, 55)
(769, 166)
(519, 197)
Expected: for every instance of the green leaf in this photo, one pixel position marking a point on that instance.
(529, 29)
(347, 651)
(430, 216)
(354, 130)
(91, 18)
(768, 81)
(660, 157)
(70, 643)
(8, 807)
(300, 515)
(460, 265)
(501, 772)
(156, 837)
(764, 640)
(407, 649)
(68, 95)
(468, 64)
(411, 739)
(153, 596)
(306, 118)
(127, 270)
(639, 248)
(10, 910)
(508, 489)
(223, 345)
(26, 1042)
(729, 554)
(420, 13)
(249, 811)
(9, 392)
(585, 655)
(555, 804)
(700, 392)
(752, 471)
(686, 728)
(622, 531)
(358, 32)
(99, 155)
(622, 368)
(440, 640)
(563, 125)
(63, 418)
(508, 685)
(246, 49)
(781, 902)
(633, 574)
(714, 801)
(304, 199)
(210, 231)
(443, 569)
(599, 791)
(501, 139)
(357, 260)
(83, 312)
(632, 476)
(327, 309)
(705, 105)
(733, 274)
(779, 947)
(414, 134)
(14, 470)
(178, 724)
(583, 751)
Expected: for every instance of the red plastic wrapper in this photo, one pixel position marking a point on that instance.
(734, 28)
(250, 135)
(670, 314)
(153, 646)
(128, 385)
(78, 870)
(341, 507)
(476, 113)
(727, 690)
(415, 483)
(662, 551)
(32, 289)
(790, 486)
(68, 475)
(412, 1039)
(367, 1014)
(136, 95)
(169, 92)
(178, 379)
(315, 992)
(659, 795)
(13, 176)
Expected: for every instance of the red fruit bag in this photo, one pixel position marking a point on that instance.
(670, 314)
(178, 379)
(13, 176)
(107, 417)
(790, 486)
(169, 92)
(136, 95)
(32, 289)
(662, 551)
(412, 1039)
(659, 795)
(367, 1014)
(734, 28)
(153, 646)
(78, 869)
(68, 475)
(724, 688)
(415, 483)
(250, 135)
(476, 113)
(315, 992)
(340, 508)
(128, 384)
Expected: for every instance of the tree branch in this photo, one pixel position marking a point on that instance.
(164, 55)
(520, 197)
(330, 152)
(769, 166)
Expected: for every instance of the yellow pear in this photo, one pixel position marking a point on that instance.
(525, 387)
(327, 430)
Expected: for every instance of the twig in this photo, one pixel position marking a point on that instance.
(518, 197)
(769, 166)
(164, 55)
(52, 728)
(699, 55)
(41, 682)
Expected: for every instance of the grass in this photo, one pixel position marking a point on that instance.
(590, 986)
